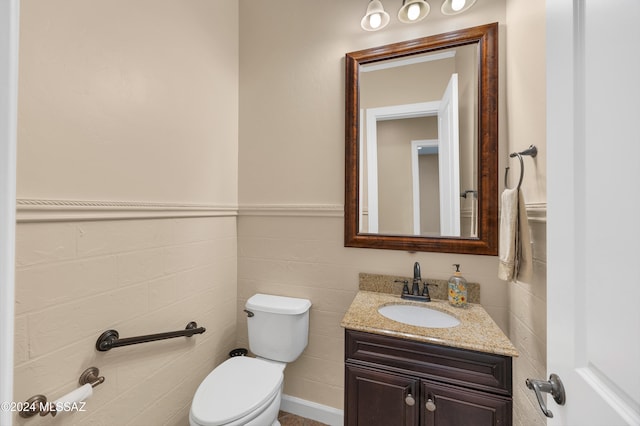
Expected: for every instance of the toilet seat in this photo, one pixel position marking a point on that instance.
(235, 389)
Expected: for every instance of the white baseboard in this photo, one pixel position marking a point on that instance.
(312, 410)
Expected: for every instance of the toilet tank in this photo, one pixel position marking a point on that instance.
(279, 327)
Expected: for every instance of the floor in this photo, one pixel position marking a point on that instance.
(288, 419)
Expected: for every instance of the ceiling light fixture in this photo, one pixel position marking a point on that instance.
(375, 18)
(453, 7)
(413, 11)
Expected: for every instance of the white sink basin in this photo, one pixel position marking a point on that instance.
(420, 316)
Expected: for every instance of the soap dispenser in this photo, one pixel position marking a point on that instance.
(457, 288)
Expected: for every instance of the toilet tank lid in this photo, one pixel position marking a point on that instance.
(278, 304)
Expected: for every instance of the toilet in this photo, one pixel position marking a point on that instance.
(246, 391)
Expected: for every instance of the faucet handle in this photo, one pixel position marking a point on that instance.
(405, 288)
(425, 289)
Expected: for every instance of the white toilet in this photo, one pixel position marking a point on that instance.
(245, 391)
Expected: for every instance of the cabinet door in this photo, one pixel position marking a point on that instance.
(449, 405)
(376, 398)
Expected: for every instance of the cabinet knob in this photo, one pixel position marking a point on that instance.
(431, 406)
(410, 400)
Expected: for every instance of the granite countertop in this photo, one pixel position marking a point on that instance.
(476, 331)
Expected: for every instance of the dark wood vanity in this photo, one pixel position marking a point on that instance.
(396, 382)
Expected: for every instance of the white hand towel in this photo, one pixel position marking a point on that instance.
(515, 240)
(524, 255)
(508, 234)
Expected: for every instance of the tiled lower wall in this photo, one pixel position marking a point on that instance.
(300, 255)
(528, 330)
(75, 280)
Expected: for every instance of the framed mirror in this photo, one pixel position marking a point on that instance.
(421, 159)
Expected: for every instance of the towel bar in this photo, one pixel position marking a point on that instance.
(111, 338)
(532, 151)
(469, 193)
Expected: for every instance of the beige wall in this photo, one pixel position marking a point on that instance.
(421, 82)
(75, 280)
(127, 111)
(292, 92)
(291, 185)
(128, 104)
(526, 116)
(290, 232)
(304, 256)
(468, 89)
(128, 101)
(395, 175)
(526, 95)
(429, 192)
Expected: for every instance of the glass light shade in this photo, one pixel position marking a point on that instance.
(457, 5)
(452, 7)
(413, 11)
(375, 18)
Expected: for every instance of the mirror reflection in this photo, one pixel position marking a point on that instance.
(418, 144)
(421, 144)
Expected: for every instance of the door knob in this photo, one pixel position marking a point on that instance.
(553, 386)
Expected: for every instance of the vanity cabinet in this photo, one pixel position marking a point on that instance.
(397, 382)
(380, 398)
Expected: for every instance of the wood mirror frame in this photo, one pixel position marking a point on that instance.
(486, 243)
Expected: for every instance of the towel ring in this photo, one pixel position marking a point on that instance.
(531, 151)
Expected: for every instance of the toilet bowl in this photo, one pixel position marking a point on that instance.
(240, 391)
(246, 391)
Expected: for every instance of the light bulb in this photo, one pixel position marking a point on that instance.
(375, 20)
(413, 12)
(457, 5)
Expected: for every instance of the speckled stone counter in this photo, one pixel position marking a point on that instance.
(388, 284)
(476, 331)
